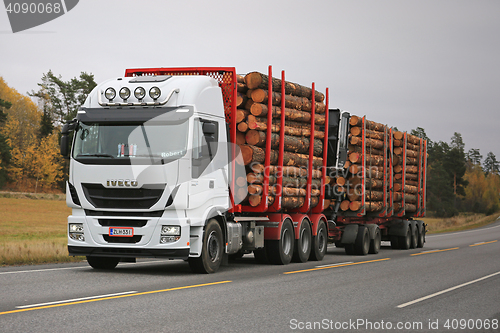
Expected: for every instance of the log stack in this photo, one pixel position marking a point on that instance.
(252, 126)
(367, 190)
(407, 157)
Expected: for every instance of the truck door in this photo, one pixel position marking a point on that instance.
(208, 163)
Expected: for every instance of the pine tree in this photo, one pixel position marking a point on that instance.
(491, 165)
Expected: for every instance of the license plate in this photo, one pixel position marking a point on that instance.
(121, 232)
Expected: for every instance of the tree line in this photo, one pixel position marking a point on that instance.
(457, 181)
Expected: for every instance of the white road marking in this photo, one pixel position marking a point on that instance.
(446, 290)
(74, 300)
(80, 267)
(333, 265)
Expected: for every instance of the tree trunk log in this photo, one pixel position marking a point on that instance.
(292, 102)
(256, 80)
(291, 143)
(356, 140)
(290, 128)
(261, 110)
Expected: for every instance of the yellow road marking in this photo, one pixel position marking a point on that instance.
(114, 297)
(483, 243)
(435, 251)
(335, 266)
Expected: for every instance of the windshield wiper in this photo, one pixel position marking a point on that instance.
(96, 155)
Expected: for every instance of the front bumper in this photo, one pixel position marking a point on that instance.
(128, 252)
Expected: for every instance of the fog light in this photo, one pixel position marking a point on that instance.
(110, 93)
(169, 239)
(124, 93)
(154, 93)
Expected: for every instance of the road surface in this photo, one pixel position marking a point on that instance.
(451, 285)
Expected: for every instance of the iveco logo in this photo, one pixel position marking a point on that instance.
(122, 182)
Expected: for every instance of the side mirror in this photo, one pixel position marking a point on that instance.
(65, 145)
(209, 129)
(67, 128)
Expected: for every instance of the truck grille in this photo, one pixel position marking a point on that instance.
(142, 198)
(122, 223)
(127, 240)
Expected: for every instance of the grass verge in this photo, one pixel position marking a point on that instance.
(33, 231)
(464, 221)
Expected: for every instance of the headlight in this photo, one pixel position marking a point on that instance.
(154, 93)
(76, 227)
(139, 93)
(124, 93)
(110, 93)
(170, 230)
(76, 232)
(170, 233)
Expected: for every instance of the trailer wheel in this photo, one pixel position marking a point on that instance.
(349, 249)
(212, 251)
(405, 241)
(414, 237)
(375, 242)
(303, 244)
(394, 242)
(103, 262)
(421, 236)
(362, 243)
(320, 243)
(280, 251)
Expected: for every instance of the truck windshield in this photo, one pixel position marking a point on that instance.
(138, 143)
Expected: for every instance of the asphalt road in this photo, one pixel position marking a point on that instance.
(451, 285)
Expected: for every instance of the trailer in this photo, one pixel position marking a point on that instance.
(201, 164)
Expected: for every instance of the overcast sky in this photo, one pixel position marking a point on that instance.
(428, 63)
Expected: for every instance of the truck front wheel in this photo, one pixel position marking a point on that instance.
(212, 251)
(103, 262)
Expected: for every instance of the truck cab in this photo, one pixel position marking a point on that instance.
(148, 168)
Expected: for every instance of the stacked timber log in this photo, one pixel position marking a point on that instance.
(368, 145)
(251, 136)
(406, 150)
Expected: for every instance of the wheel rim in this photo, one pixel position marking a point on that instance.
(213, 247)
(305, 240)
(321, 240)
(287, 241)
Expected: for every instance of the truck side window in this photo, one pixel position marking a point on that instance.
(205, 141)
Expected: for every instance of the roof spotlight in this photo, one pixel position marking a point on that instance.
(154, 93)
(124, 93)
(110, 93)
(139, 93)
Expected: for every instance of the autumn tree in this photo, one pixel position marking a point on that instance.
(35, 160)
(5, 149)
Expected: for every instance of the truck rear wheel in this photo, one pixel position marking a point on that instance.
(103, 262)
(319, 243)
(421, 235)
(212, 251)
(280, 251)
(362, 244)
(303, 244)
(405, 241)
(414, 236)
(375, 242)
